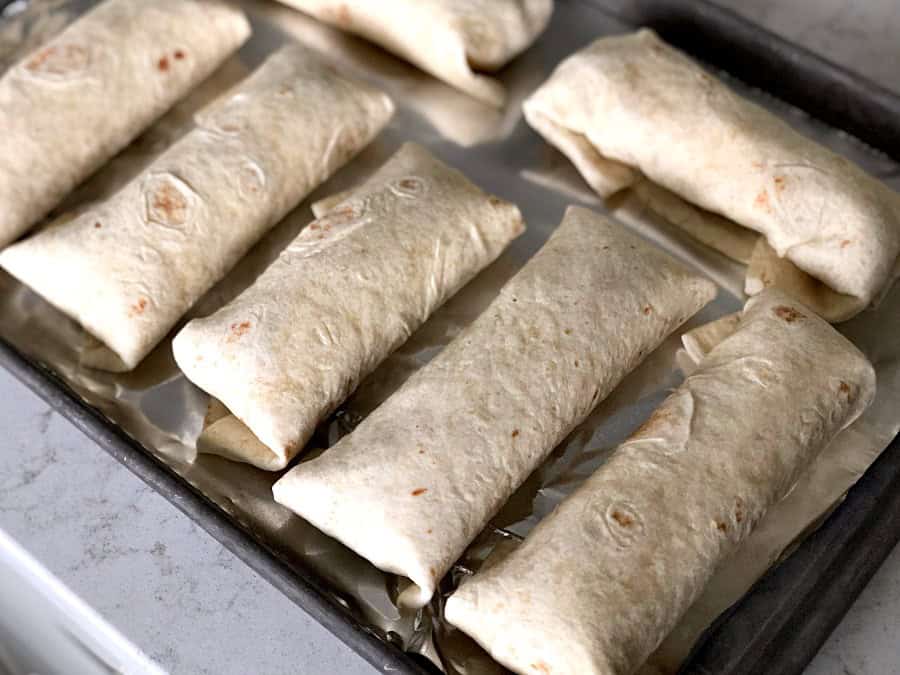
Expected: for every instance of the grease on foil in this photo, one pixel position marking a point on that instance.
(159, 408)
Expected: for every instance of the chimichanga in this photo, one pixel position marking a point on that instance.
(422, 475)
(601, 581)
(349, 290)
(128, 268)
(632, 104)
(446, 38)
(71, 105)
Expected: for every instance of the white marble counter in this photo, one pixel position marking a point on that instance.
(194, 608)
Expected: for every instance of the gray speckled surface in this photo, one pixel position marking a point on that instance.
(195, 608)
(181, 597)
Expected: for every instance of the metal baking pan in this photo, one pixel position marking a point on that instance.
(776, 628)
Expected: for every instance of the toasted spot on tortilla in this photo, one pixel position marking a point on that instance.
(138, 307)
(59, 61)
(622, 519)
(789, 314)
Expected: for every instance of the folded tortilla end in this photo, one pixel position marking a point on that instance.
(230, 438)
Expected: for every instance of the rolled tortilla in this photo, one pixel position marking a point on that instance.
(129, 267)
(72, 104)
(349, 290)
(600, 582)
(637, 102)
(423, 474)
(723, 235)
(700, 341)
(446, 38)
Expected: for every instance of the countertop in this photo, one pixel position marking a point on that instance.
(193, 607)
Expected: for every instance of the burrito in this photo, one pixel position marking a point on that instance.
(601, 581)
(349, 290)
(449, 39)
(127, 268)
(423, 474)
(632, 106)
(72, 104)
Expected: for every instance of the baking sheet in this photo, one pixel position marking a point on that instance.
(161, 410)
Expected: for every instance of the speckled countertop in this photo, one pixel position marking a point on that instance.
(194, 608)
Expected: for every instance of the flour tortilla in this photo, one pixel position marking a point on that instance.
(600, 582)
(700, 341)
(347, 292)
(447, 38)
(129, 267)
(646, 107)
(423, 474)
(734, 241)
(69, 106)
(767, 269)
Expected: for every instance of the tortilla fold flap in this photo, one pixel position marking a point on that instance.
(73, 103)
(129, 267)
(446, 38)
(633, 102)
(349, 290)
(423, 474)
(601, 581)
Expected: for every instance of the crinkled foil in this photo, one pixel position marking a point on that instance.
(165, 413)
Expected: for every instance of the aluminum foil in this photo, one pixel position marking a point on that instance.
(496, 149)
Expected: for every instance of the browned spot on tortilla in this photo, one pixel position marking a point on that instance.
(780, 183)
(421, 451)
(230, 127)
(739, 510)
(568, 331)
(42, 57)
(238, 330)
(59, 60)
(762, 201)
(789, 314)
(419, 491)
(179, 54)
(515, 433)
(168, 205)
(606, 248)
(846, 243)
(98, 225)
(622, 519)
(721, 527)
(429, 531)
(291, 448)
(660, 417)
(845, 388)
(541, 667)
(756, 165)
(250, 179)
(577, 363)
(647, 310)
(138, 307)
(163, 63)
